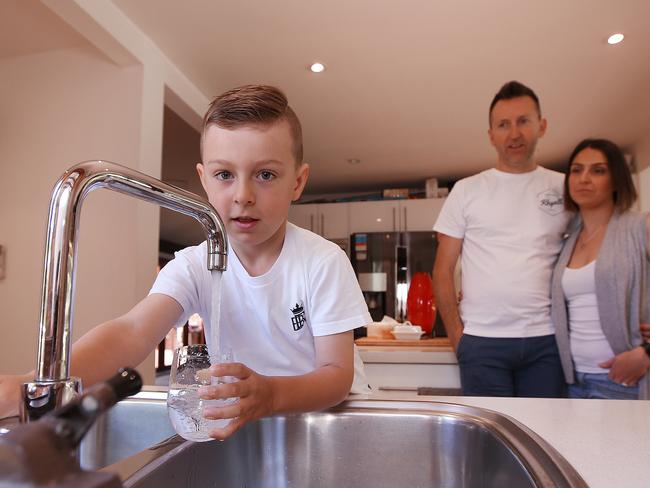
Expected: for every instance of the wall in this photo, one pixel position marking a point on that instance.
(181, 152)
(58, 108)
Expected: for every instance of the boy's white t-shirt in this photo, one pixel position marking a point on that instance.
(512, 226)
(269, 322)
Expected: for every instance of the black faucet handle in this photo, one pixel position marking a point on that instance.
(125, 383)
(41, 453)
(72, 421)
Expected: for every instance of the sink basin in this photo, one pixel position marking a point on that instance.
(131, 426)
(361, 443)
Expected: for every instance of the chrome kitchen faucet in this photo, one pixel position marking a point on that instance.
(53, 386)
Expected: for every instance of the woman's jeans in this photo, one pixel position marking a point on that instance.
(598, 385)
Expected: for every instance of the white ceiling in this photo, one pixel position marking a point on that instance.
(408, 83)
(28, 27)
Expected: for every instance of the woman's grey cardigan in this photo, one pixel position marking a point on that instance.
(622, 288)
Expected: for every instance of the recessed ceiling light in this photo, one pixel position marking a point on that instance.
(615, 38)
(317, 67)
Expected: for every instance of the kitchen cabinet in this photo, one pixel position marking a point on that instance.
(421, 214)
(339, 220)
(394, 215)
(374, 216)
(334, 220)
(403, 367)
(329, 220)
(410, 376)
(304, 216)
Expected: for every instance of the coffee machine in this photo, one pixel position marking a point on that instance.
(374, 286)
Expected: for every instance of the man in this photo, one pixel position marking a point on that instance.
(507, 224)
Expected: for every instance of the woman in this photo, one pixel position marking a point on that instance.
(602, 278)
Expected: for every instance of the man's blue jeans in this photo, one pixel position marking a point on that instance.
(598, 385)
(522, 367)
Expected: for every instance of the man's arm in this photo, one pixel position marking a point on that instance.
(449, 249)
(261, 396)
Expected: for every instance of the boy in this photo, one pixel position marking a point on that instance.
(251, 171)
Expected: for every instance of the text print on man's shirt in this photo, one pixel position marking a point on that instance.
(298, 319)
(550, 201)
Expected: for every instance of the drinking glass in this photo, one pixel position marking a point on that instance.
(190, 371)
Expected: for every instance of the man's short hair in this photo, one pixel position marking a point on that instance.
(622, 185)
(252, 105)
(513, 89)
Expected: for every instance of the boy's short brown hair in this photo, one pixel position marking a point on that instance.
(251, 105)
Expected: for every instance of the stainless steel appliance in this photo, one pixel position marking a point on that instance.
(385, 263)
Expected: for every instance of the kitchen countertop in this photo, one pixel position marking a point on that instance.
(426, 363)
(431, 351)
(606, 441)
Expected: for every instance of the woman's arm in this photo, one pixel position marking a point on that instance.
(645, 328)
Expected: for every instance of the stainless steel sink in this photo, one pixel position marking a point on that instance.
(131, 426)
(360, 443)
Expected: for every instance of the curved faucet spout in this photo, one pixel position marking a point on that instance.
(53, 365)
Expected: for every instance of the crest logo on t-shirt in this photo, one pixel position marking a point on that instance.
(550, 202)
(298, 320)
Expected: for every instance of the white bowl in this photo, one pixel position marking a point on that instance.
(408, 336)
(408, 328)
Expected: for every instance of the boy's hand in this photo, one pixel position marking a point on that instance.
(254, 394)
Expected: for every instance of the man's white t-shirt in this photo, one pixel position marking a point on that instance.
(512, 226)
(269, 322)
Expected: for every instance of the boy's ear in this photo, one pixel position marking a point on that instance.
(302, 175)
(200, 170)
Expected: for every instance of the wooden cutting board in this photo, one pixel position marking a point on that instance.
(426, 342)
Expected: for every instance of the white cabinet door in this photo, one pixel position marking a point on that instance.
(420, 214)
(374, 216)
(397, 367)
(329, 220)
(333, 220)
(305, 216)
(405, 375)
(339, 220)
